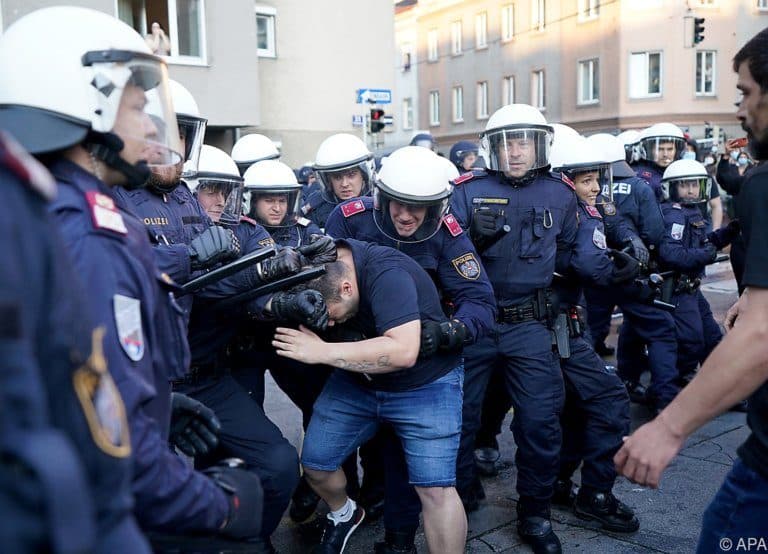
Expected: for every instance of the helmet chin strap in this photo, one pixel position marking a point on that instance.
(526, 179)
(107, 147)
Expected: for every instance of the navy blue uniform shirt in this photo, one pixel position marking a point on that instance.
(637, 204)
(683, 246)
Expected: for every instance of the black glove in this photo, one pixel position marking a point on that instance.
(447, 336)
(625, 267)
(638, 250)
(725, 235)
(194, 426)
(711, 252)
(483, 227)
(306, 307)
(321, 249)
(286, 262)
(212, 246)
(246, 500)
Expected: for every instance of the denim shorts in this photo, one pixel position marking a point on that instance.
(427, 420)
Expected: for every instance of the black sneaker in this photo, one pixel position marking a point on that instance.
(336, 535)
(605, 508)
(304, 502)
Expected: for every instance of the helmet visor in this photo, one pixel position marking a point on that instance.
(515, 152)
(687, 190)
(408, 221)
(343, 183)
(593, 182)
(278, 207)
(192, 133)
(221, 198)
(662, 150)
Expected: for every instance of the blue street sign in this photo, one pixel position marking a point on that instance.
(357, 121)
(374, 96)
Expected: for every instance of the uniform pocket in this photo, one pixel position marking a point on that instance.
(533, 232)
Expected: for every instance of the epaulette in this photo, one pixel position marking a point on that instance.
(104, 212)
(676, 206)
(468, 176)
(567, 180)
(26, 168)
(246, 219)
(303, 221)
(352, 207)
(592, 211)
(453, 226)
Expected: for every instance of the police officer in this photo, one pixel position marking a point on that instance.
(523, 223)
(596, 414)
(658, 146)
(90, 84)
(629, 140)
(463, 155)
(59, 401)
(344, 169)
(408, 212)
(253, 148)
(425, 140)
(686, 249)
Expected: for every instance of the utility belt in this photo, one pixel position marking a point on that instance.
(685, 284)
(568, 324)
(200, 373)
(540, 308)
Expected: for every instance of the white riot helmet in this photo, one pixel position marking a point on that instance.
(339, 155)
(191, 125)
(630, 139)
(272, 194)
(411, 194)
(516, 141)
(253, 148)
(582, 162)
(217, 175)
(614, 152)
(686, 182)
(661, 144)
(64, 72)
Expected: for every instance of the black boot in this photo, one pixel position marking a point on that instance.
(396, 542)
(612, 514)
(486, 460)
(535, 528)
(565, 493)
(372, 499)
(637, 393)
(304, 502)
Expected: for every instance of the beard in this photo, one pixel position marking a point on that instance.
(165, 179)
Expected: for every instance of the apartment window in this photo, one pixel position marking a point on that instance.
(457, 96)
(645, 74)
(482, 100)
(432, 52)
(588, 9)
(538, 98)
(265, 31)
(407, 113)
(481, 30)
(589, 82)
(706, 3)
(538, 15)
(182, 23)
(507, 22)
(456, 38)
(705, 72)
(762, 4)
(434, 108)
(508, 90)
(406, 52)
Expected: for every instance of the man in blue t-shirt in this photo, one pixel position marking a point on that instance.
(384, 296)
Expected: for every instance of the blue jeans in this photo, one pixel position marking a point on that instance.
(426, 419)
(737, 514)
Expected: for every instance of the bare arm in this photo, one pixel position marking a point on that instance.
(397, 349)
(717, 211)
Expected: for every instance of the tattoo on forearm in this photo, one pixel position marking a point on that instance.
(363, 366)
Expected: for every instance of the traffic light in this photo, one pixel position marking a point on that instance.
(377, 120)
(698, 30)
(708, 131)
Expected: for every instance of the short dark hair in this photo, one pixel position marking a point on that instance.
(755, 53)
(328, 283)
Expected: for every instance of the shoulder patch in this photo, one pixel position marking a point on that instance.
(609, 208)
(467, 266)
(267, 242)
(592, 211)
(246, 219)
(646, 175)
(306, 208)
(453, 226)
(567, 180)
(128, 322)
(463, 178)
(677, 231)
(26, 167)
(598, 238)
(104, 213)
(351, 208)
(303, 221)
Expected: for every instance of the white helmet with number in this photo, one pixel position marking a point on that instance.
(191, 125)
(661, 144)
(63, 74)
(253, 148)
(275, 183)
(614, 152)
(217, 173)
(575, 156)
(516, 141)
(412, 193)
(686, 182)
(339, 154)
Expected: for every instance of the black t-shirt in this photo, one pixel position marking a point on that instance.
(395, 290)
(754, 206)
